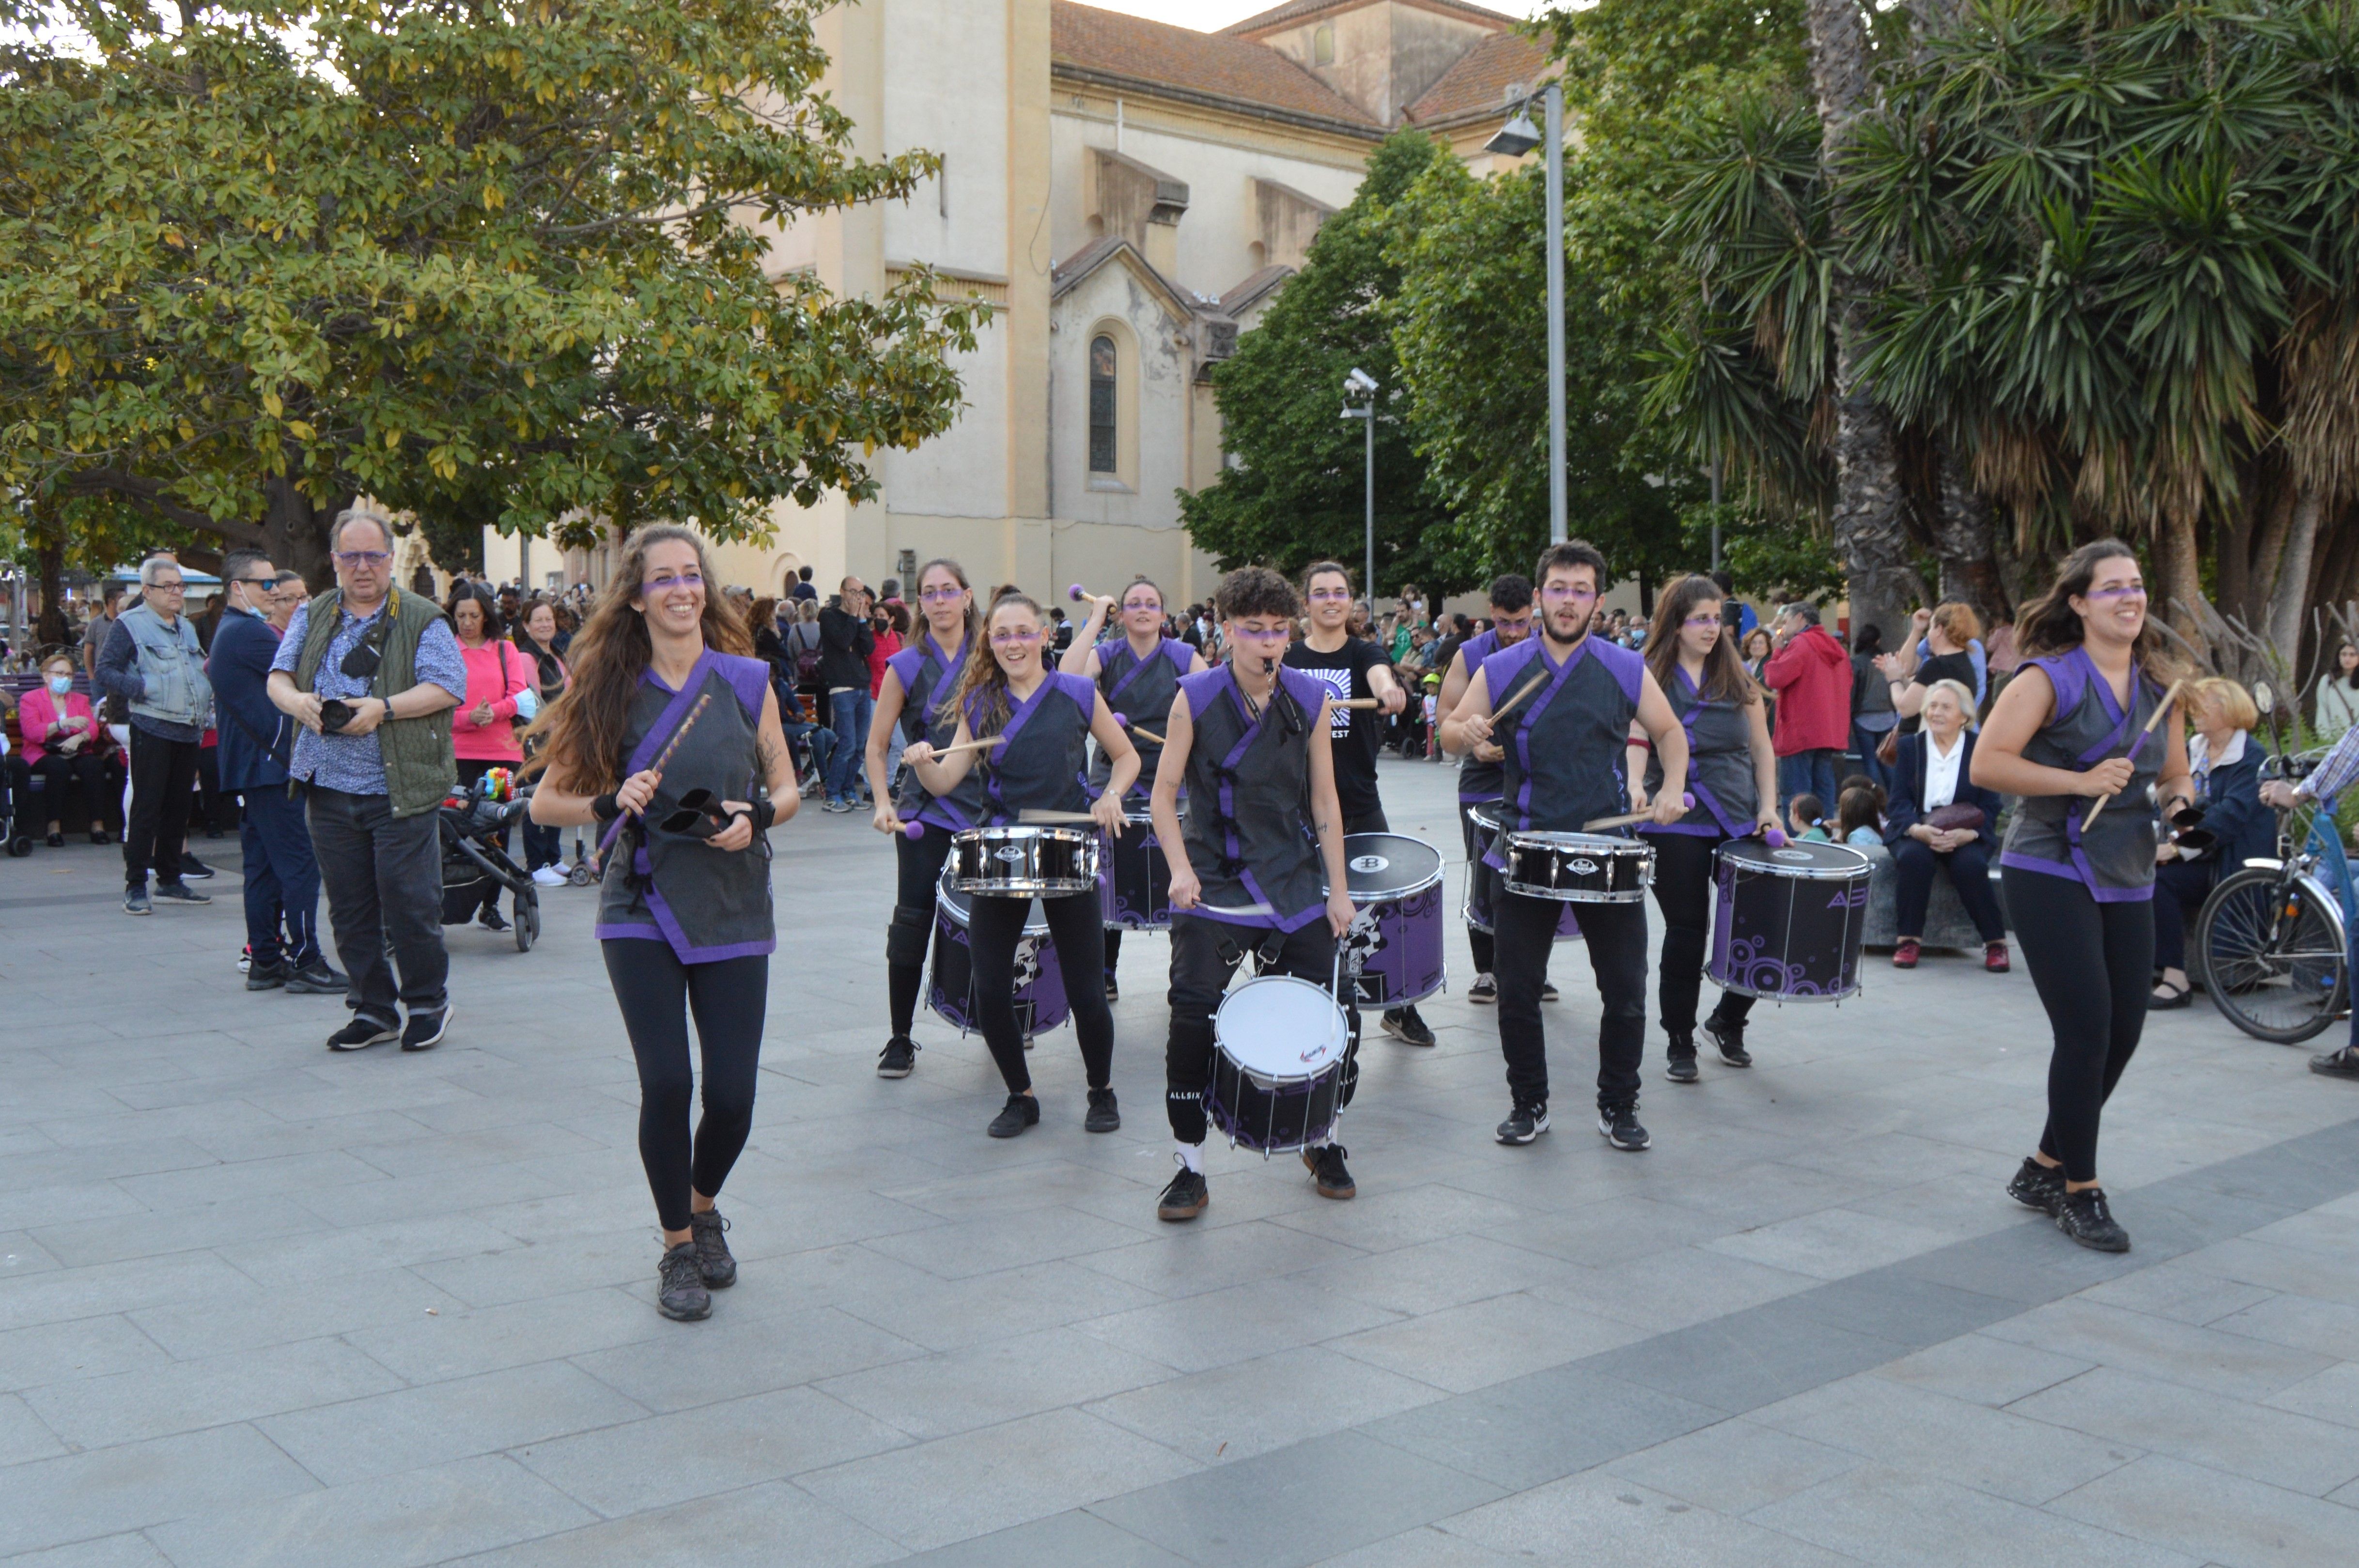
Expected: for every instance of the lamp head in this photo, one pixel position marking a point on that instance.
(1516, 137)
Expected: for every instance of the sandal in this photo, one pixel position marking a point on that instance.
(2167, 996)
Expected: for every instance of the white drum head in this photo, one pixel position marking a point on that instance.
(1279, 1027)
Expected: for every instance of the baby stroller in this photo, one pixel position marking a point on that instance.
(475, 866)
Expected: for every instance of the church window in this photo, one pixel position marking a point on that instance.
(1102, 444)
(1322, 45)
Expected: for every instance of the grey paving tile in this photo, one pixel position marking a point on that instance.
(1381, 1220)
(1614, 1230)
(1196, 1333)
(152, 1402)
(2181, 1292)
(415, 1428)
(1987, 1371)
(1069, 1537)
(23, 1435)
(978, 1482)
(109, 1490)
(1183, 1261)
(944, 1314)
(2277, 1446)
(1600, 1518)
(986, 1244)
(66, 1294)
(393, 1522)
(1878, 1515)
(1297, 1505)
(1829, 1244)
(732, 1356)
(2228, 1364)
(986, 1384)
(1535, 1429)
(127, 1551)
(252, 1316)
(2206, 1513)
(1747, 1359)
(2329, 1329)
(72, 1352)
(1235, 1412)
(752, 1527)
(1674, 1288)
(2300, 1270)
(2331, 1395)
(1735, 1465)
(1900, 1307)
(1449, 1271)
(1486, 1342)
(458, 1341)
(1425, 1547)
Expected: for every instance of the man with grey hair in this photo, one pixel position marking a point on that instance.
(153, 661)
(1812, 676)
(370, 674)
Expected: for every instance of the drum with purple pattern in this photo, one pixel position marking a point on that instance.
(1791, 920)
(1135, 886)
(1040, 1002)
(1393, 951)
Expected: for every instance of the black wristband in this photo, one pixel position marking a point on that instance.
(606, 808)
(765, 813)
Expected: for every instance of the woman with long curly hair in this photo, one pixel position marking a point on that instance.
(2071, 728)
(667, 740)
(1044, 721)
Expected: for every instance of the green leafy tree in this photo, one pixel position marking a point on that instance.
(481, 260)
(1291, 490)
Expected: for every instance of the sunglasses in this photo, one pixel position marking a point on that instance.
(352, 560)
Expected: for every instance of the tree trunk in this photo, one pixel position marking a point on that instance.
(1869, 527)
(298, 535)
(2179, 565)
(2289, 590)
(49, 561)
(1965, 537)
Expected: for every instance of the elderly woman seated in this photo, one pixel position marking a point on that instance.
(1939, 819)
(2226, 766)
(65, 746)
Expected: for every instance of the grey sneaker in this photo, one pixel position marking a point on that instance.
(137, 902)
(180, 892)
(317, 980)
(713, 1264)
(680, 1293)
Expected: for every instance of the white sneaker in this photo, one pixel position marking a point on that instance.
(548, 877)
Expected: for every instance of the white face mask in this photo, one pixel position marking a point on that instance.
(61, 685)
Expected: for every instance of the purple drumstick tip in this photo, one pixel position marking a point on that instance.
(1688, 801)
(1076, 593)
(913, 829)
(1774, 837)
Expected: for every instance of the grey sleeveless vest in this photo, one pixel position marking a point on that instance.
(1720, 764)
(1040, 767)
(2114, 859)
(1564, 742)
(1248, 832)
(1141, 691)
(927, 675)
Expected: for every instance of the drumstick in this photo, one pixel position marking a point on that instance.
(2168, 698)
(1037, 817)
(968, 746)
(1355, 702)
(1529, 686)
(1627, 817)
(1078, 594)
(1124, 720)
(662, 757)
(1242, 909)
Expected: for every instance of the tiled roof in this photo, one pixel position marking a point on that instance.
(1202, 65)
(1478, 83)
(1241, 294)
(1067, 275)
(1295, 10)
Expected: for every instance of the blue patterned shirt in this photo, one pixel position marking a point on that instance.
(355, 763)
(2334, 775)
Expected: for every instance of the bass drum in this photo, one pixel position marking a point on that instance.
(1790, 921)
(1282, 1049)
(1136, 891)
(1040, 1002)
(1393, 951)
(1482, 880)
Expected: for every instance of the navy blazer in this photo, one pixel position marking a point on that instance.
(255, 736)
(2233, 810)
(1907, 807)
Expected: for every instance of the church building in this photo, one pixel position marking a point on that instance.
(1128, 197)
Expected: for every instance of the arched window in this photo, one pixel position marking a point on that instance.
(1322, 45)
(1105, 448)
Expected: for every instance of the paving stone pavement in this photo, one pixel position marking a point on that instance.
(259, 1305)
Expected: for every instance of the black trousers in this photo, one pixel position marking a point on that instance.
(918, 867)
(1683, 868)
(1616, 940)
(163, 787)
(994, 928)
(2180, 889)
(58, 772)
(1204, 956)
(383, 876)
(656, 992)
(1969, 868)
(2092, 965)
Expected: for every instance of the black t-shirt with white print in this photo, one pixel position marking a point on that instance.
(1355, 735)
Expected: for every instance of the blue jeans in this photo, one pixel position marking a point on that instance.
(1864, 742)
(1809, 772)
(848, 712)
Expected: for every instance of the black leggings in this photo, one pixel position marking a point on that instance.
(2093, 966)
(993, 928)
(918, 864)
(650, 987)
(1206, 954)
(1683, 865)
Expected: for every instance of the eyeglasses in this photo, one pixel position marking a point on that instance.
(1011, 637)
(1701, 622)
(939, 595)
(170, 587)
(2127, 590)
(357, 561)
(1568, 595)
(666, 583)
(1142, 605)
(255, 581)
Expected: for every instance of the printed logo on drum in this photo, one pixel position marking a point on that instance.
(1582, 868)
(1849, 898)
(1010, 853)
(1369, 862)
(1790, 855)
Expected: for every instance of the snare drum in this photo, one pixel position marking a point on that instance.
(1136, 895)
(1393, 951)
(1041, 1001)
(1281, 1048)
(1483, 881)
(1024, 862)
(1790, 921)
(1577, 868)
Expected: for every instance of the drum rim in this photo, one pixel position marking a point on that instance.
(1863, 866)
(943, 884)
(1391, 893)
(1566, 838)
(1343, 1019)
(1039, 831)
(1572, 895)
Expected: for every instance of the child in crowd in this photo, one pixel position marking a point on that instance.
(1858, 822)
(1805, 818)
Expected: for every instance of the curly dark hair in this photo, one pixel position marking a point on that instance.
(1257, 590)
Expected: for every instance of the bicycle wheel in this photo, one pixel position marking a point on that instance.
(2273, 955)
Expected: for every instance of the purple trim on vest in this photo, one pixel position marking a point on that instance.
(749, 678)
(1170, 648)
(2087, 879)
(2077, 673)
(1080, 688)
(668, 927)
(937, 811)
(1211, 684)
(1695, 784)
(1533, 708)
(667, 724)
(1477, 651)
(634, 931)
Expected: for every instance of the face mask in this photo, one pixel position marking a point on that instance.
(61, 685)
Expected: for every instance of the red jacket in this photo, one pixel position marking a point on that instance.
(1812, 676)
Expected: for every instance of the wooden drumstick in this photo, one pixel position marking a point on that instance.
(1124, 720)
(1627, 817)
(1036, 817)
(615, 827)
(970, 746)
(1355, 702)
(1081, 595)
(2168, 698)
(1528, 688)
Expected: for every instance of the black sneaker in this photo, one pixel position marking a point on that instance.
(1524, 1123)
(180, 892)
(266, 977)
(317, 979)
(1681, 1066)
(1104, 1115)
(137, 902)
(425, 1030)
(1729, 1035)
(1185, 1197)
(680, 1293)
(1404, 1025)
(192, 867)
(899, 1059)
(1114, 991)
(57, 840)
(715, 1266)
(2039, 1186)
(1484, 991)
(1618, 1125)
(2343, 1064)
(1326, 1166)
(1020, 1112)
(490, 919)
(2085, 1216)
(1547, 991)
(360, 1034)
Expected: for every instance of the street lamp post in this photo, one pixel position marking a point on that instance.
(1361, 385)
(1514, 139)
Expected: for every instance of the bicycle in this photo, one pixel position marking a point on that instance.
(2272, 935)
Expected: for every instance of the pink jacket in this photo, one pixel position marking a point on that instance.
(496, 673)
(38, 711)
